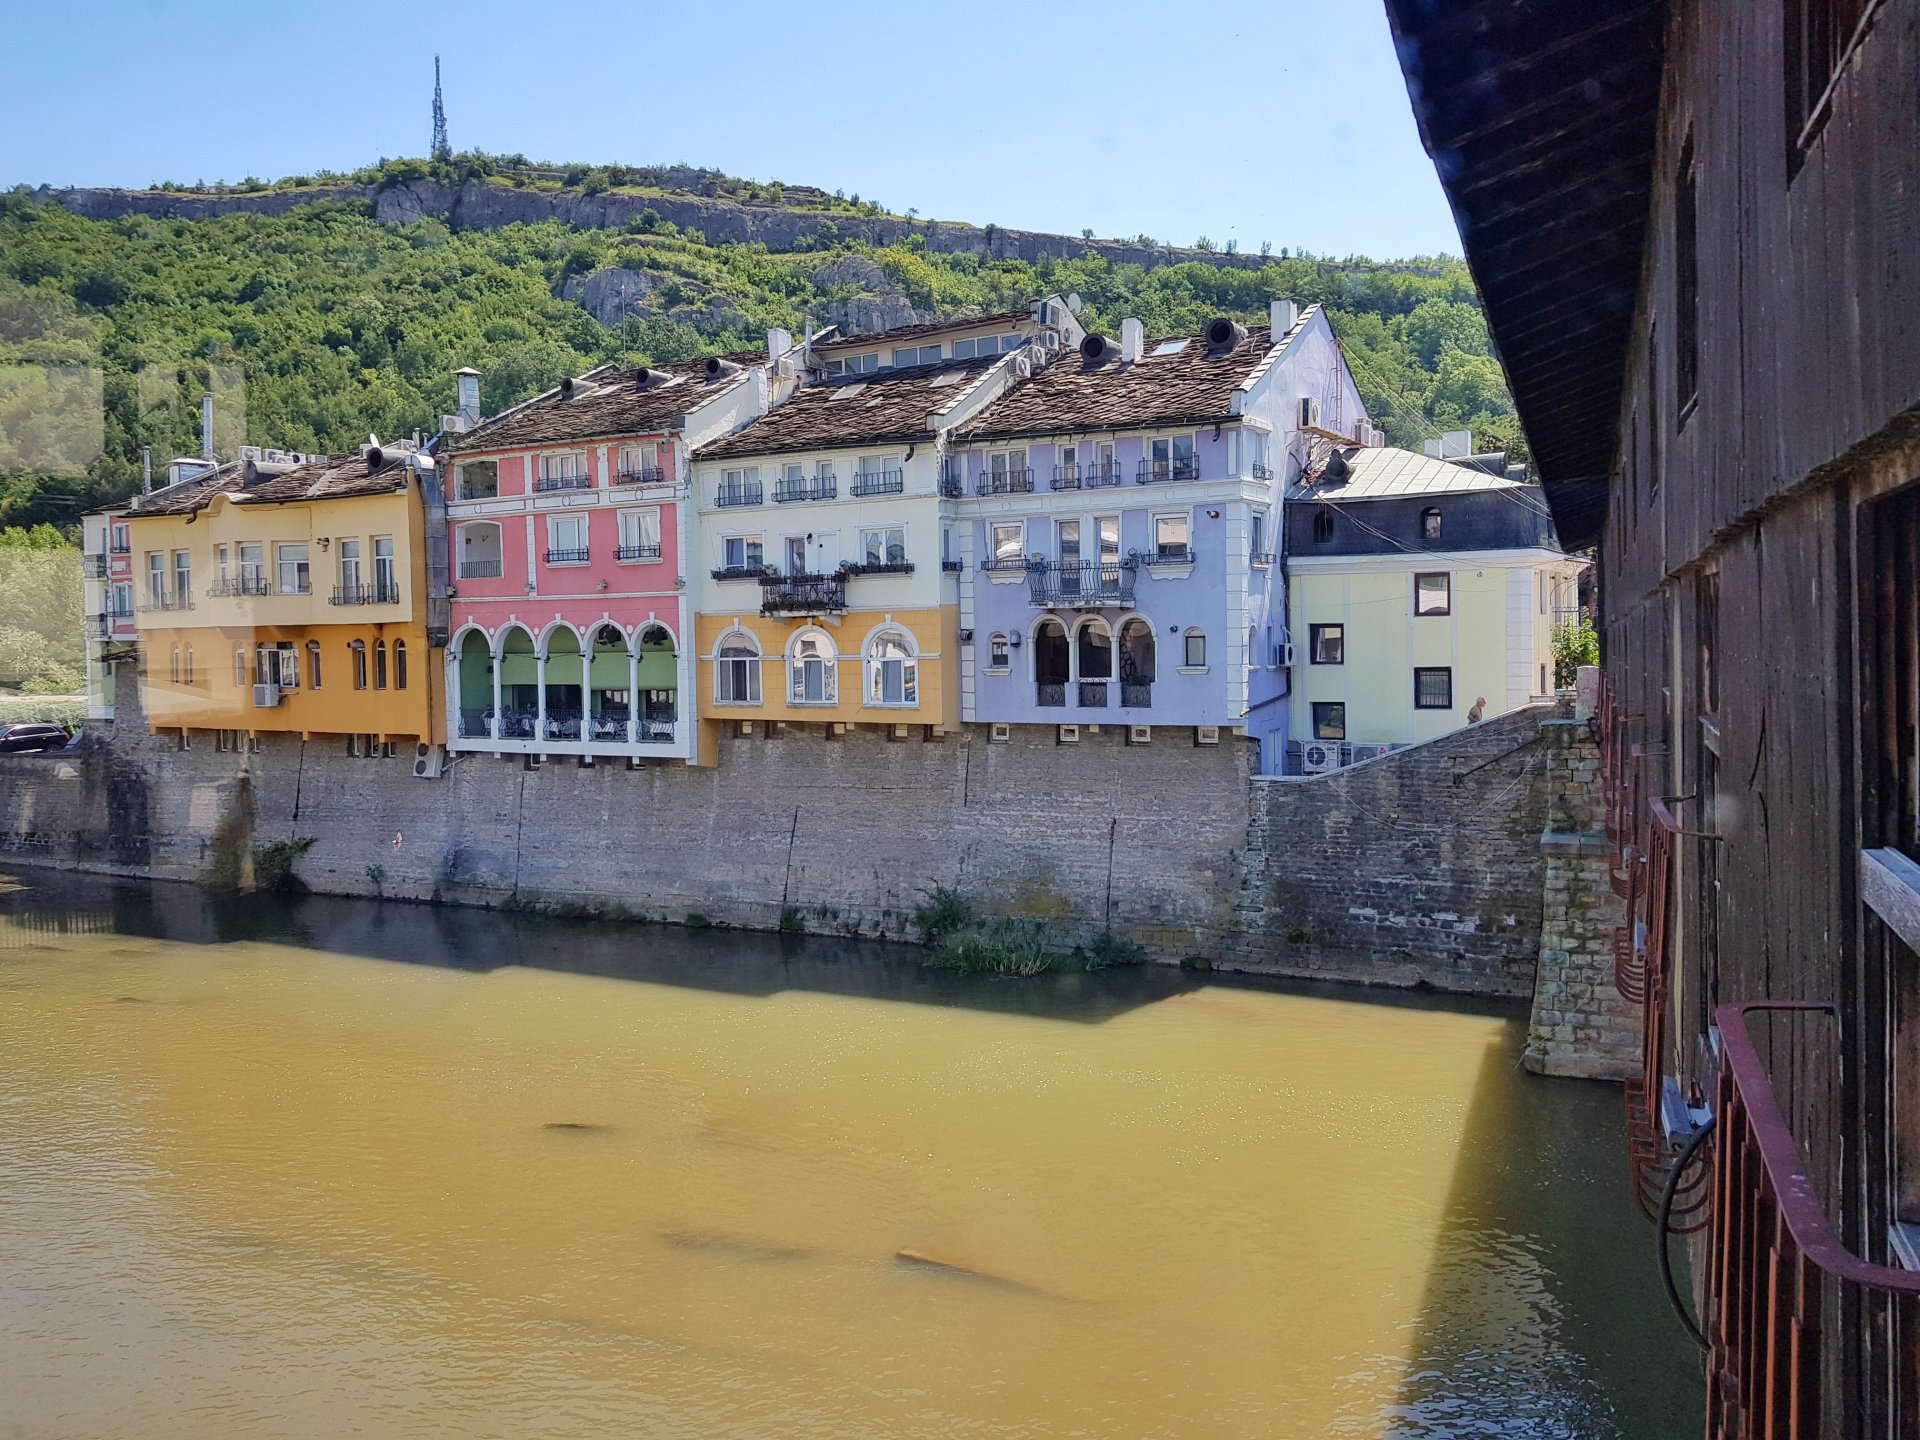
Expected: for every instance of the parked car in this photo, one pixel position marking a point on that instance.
(14, 738)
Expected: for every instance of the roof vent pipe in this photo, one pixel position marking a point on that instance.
(642, 378)
(1283, 315)
(716, 368)
(1098, 348)
(567, 387)
(1133, 339)
(1224, 334)
(466, 392)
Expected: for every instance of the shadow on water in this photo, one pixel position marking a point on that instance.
(1536, 1320)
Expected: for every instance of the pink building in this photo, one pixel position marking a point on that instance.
(566, 514)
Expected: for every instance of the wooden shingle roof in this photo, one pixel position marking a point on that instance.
(336, 477)
(884, 407)
(605, 402)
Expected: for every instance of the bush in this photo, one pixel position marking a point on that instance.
(945, 911)
(43, 711)
(1575, 643)
(1108, 950)
(1003, 947)
(273, 864)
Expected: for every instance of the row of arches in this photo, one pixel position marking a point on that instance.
(889, 659)
(606, 684)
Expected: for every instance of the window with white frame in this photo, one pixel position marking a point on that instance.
(1108, 527)
(294, 576)
(253, 569)
(998, 656)
(349, 567)
(1171, 537)
(1257, 539)
(386, 583)
(156, 577)
(884, 546)
(220, 571)
(736, 670)
(1171, 458)
(1196, 650)
(640, 462)
(854, 364)
(811, 667)
(742, 552)
(477, 480)
(916, 355)
(123, 598)
(893, 671)
(567, 540)
(639, 534)
(183, 576)
(566, 469)
(1009, 539)
(1256, 447)
(1005, 472)
(793, 550)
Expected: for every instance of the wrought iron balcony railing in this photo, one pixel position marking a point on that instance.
(1260, 557)
(569, 557)
(807, 487)
(802, 594)
(1093, 694)
(740, 572)
(380, 592)
(1261, 472)
(1161, 471)
(953, 486)
(1085, 585)
(1170, 555)
(1004, 482)
(167, 600)
(479, 570)
(637, 552)
(1136, 694)
(235, 585)
(1086, 477)
(640, 475)
(743, 494)
(952, 567)
(880, 567)
(879, 482)
(99, 627)
(120, 547)
(563, 482)
(1050, 694)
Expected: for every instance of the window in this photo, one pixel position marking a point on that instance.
(1686, 286)
(385, 585)
(1429, 524)
(287, 660)
(739, 487)
(123, 598)
(239, 669)
(220, 566)
(1329, 720)
(736, 670)
(1819, 36)
(986, 345)
(358, 649)
(1108, 527)
(1196, 650)
(1171, 458)
(291, 562)
(253, 569)
(893, 676)
(811, 669)
(883, 547)
(1067, 536)
(349, 568)
(920, 355)
(1433, 688)
(399, 664)
(187, 668)
(379, 664)
(565, 471)
(1433, 593)
(1170, 537)
(1005, 472)
(1323, 527)
(182, 577)
(477, 480)
(639, 535)
(742, 552)
(567, 540)
(1326, 644)
(313, 664)
(122, 540)
(479, 553)
(997, 657)
(639, 462)
(173, 665)
(1009, 543)
(156, 577)
(1093, 647)
(794, 548)
(854, 364)
(1257, 536)
(1256, 446)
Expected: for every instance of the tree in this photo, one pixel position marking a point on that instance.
(1435, 326)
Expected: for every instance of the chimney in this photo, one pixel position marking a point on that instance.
(779, 342)
(206, 425)
(1133, 340)
(146, 469)
(466, 392)
(1282, 315)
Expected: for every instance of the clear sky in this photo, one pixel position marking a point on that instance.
(1277, 120)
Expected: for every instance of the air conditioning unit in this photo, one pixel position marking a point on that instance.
(1368, 752)
(1317, 757)
(1069, 734)
(999, 733)
(1283, 654)
(1309, 412)
(1139, 734)
(266, 696)
(429, 761)
(1206, 734)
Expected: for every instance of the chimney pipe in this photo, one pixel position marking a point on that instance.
(466, 390)
(1283, 315)
(717, 368)
(206, 425)
(1098, 348)
(1133, 339)
(1225, 334)
(146, 469)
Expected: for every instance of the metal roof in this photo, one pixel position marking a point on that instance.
(1381, 473)
(1540, 117)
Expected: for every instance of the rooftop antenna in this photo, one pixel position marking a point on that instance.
(441, 149)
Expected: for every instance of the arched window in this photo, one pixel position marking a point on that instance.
(399, 664)
(893, 671)
(173, 665)
(313, 664)
(1051, 663)
(477, 553)
(997, 651)
(1429, 524)
(379, 664)
(1323, 527)
(811, 669)
(239, 668)
(1093, 646)
(1136, 654)
(359, 652)
(736, 670)
(189, 665)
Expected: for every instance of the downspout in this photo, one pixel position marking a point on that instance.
(439, 607)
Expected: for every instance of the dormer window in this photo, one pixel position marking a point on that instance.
(1429, 524)
(1323, 528)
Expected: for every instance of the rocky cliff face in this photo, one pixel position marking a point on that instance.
(477, 205)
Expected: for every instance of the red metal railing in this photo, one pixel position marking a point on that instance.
(1805, 1338)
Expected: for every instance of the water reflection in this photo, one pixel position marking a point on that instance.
(559, 1178)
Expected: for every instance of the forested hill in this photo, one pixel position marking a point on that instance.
(323, 323)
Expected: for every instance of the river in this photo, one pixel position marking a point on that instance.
(322, 1167)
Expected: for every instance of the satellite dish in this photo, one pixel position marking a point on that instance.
(1075, 303)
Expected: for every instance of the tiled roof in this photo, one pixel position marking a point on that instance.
(1007, 319)
(1380, 473)
(605, 402)
(890, 406)
(337, 477)
(1191, 385)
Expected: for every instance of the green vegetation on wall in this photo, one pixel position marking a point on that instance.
(42, 651)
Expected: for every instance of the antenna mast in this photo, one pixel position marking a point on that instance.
(441, 149)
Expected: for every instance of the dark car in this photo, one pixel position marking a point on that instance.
(33, 737)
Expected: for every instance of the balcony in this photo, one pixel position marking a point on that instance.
(1082, 585)
(952, 487)
(479, 570)
(1804, 1337)
(167, 600)
(608, 730)
(1261, 558)
(381, 592)
(802, 594)
(740, 572)
(1093, 694)
(879, 567)
(93, 566)
(1260, 472)
(1163, 472)
(879, 482)
(568, 557)
(121, 547)
(1086, 477)
(234, 586)
(1170, 555)
(642, 475)
(1004, 482)
(99, 627)
(805, 487)
(563, 482)
(743, 494)
(637, 552)
(952, 567)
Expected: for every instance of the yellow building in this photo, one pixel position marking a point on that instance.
(293, 600)
(1422, 596)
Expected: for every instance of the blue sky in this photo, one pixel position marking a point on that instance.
(1286, 122)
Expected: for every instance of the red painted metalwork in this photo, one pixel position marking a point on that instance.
(1783, 1292)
